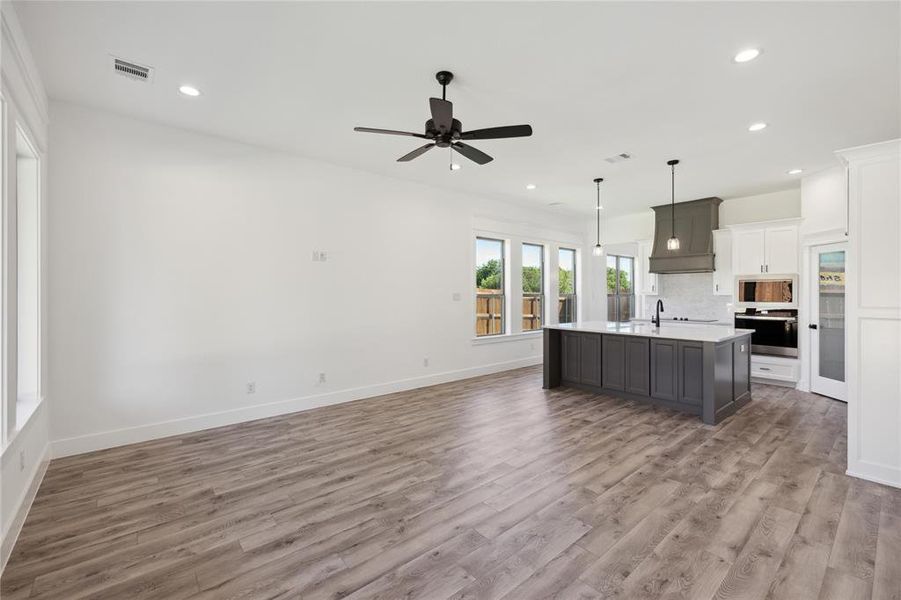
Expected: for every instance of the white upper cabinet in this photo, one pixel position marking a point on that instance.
(781, 250)
(765, 249)
(649, 284)
(749, 255)
(722, 274)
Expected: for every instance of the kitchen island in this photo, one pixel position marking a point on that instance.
(699, 369)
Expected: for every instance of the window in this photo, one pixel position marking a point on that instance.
(620, 288)
(28, 278)
(532, 286)
(489, 287)
(566, 304)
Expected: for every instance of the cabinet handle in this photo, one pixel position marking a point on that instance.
(767, 269)
(761, 268)
(764, 368)
(716, 287)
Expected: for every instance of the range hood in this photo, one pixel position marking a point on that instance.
(695, 222)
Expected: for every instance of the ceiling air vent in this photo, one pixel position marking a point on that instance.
(132, 70)
(618, 158)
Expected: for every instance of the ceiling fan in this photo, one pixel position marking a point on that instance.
(445, 131)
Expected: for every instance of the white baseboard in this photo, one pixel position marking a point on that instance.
(884, 474)
(23, 506)
(143, 433)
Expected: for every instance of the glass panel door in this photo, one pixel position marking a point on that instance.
(827, 322)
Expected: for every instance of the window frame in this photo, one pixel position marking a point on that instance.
(541, 291)
(574, 296)
(26, 406)
(616, 295)
(502, 295)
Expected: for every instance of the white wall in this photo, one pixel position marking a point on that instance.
(181, 270)
(784, 204)
(25, 440)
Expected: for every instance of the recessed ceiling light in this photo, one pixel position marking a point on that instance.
(757, 127)
(188, 90)
(455, 167)
(747, 55)
(795, 171)
(531, 186)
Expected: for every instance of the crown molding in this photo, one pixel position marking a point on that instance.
(20, 73)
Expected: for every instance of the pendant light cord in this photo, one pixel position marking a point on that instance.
(598, 210)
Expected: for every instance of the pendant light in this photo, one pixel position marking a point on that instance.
(673, 242)
(598, 249)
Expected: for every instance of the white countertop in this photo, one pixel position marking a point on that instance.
(695, 332)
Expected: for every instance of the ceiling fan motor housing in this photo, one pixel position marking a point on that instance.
(443, 139)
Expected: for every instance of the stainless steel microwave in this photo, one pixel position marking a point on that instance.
(767, 292)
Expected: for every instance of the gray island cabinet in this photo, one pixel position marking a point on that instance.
(699, 369)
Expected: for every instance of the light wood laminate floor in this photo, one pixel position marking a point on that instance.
(484, 488)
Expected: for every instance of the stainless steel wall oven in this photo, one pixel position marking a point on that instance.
(775, 331)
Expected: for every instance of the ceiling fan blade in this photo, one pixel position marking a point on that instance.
(391, 132)
(418, 152)
(442, 113)
(494, 133)
(471, 153)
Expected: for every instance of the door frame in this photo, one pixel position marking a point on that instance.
(818, 384)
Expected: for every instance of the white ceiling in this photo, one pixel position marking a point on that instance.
(593, 79)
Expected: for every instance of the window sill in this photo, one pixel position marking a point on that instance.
(26, 408)
(506, 337)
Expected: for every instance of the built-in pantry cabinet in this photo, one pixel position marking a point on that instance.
(768, 248)
(873, 311)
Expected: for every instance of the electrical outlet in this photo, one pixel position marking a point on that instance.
(425, 361)
(21, 460)
(322, 378)
(251, 387)
(315, 255)
(455, 296)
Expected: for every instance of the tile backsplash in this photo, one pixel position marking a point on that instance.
(690, 295)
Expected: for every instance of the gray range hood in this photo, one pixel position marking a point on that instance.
(695, 222)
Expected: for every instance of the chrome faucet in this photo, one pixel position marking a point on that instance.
(659, 310)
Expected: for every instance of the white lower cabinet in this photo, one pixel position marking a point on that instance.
(775, 368)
